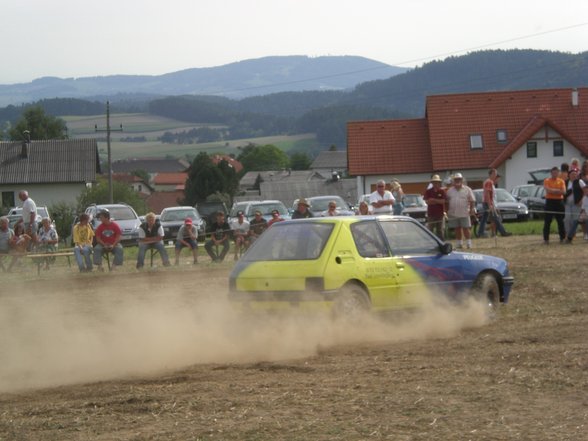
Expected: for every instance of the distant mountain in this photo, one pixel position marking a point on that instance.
(236, 80)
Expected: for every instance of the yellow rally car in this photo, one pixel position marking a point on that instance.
(361, 263)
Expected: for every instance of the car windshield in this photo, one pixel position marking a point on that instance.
(504, 196)
(290, 241)
(266, 208)
(178, 215)
(122, 213)
(413, 200)
(322, 204)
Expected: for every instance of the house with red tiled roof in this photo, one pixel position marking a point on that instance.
(514, 132)
(230, 160)
(135, 182)
(170, 181)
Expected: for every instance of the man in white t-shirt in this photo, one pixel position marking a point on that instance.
(381, 200)
(461, 203)
(29, 214)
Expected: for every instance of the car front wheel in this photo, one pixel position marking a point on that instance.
(352, 303)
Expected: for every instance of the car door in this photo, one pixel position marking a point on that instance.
(421, 267)
(376, 266)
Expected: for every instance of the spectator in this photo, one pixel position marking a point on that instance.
(573, 203)
(363, 209)
(461, 203)
(82, 239)
(240, 230)
(187, 237)
(275, 218)
(29, 215)
(47, 240)
(398, 195)
(564, 170)
(331, 210)
(302, 210)
(257, 226)
(575, 164)
(436, 198)
(6, 239)
(219, 236)
(381, 200)
(108, 235)
(490, 208)
(151, 238)
(555, 189)
(583, 218)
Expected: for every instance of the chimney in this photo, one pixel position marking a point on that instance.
(24, 151)
(575, 97)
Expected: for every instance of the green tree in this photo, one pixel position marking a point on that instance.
(63, 215)
(204, 179)
(141, 174)
(98, 194)
(39, 124)
(300, 161)
(263, 157)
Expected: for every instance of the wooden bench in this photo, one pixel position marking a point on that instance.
(154, 252)
(43, 257)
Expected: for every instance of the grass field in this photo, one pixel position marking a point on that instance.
(152, 127)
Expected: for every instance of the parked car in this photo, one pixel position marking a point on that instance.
(15, 214)
(415, 207)
(320, 204)
(266, 207)
(522, 191)
(535, 202)
(124, 215)
(208, 210)
(172, 218)
(354, 264)
(510, 209)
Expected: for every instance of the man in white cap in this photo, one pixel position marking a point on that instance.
(381, 200)
(462, 204)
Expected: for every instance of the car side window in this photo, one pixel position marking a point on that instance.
(409, 238)
(368, 239)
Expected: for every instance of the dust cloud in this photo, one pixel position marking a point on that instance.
(67, 336)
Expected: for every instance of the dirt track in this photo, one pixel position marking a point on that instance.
(159, 355)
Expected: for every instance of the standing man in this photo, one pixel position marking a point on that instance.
(151, 237)
(29, 215)
(82, 239)
(302, 210)
(462, 204)
(108, 236)
(436, 198)
(381, 200)
(555, 189)
(220, 232)
(490, 210)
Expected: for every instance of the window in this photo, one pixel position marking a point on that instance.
(368, 239)
(558, 149)
(501, 135)
(8, 199)
(476, 142)
(407, 238)
(531, 149)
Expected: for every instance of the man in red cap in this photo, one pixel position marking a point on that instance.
(187, 238)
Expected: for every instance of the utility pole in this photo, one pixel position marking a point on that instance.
(108, 130)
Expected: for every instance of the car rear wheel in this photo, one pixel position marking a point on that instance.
(352, 303)
(487, 289)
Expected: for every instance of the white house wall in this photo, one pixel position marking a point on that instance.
(516, 169)
(48, 194)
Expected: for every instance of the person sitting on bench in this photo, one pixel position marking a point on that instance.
(151, 237)
(82, 239)
(187, 237)
(47, 240)
(108, 236)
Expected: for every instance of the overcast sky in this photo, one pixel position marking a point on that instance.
(78, 38)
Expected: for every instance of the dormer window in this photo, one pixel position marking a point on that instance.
(476, 142)
(501, 135)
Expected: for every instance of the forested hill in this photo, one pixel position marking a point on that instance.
(236, 80)
(491, 70)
